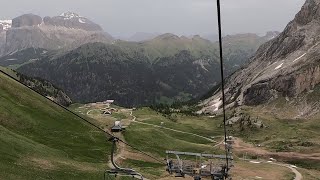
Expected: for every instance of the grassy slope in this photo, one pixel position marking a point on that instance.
(157, 140)
(39, 140)
(284, 134)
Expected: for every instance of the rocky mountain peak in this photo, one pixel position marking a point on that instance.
(302, 31)
(72, 20)
(310, 11)
(272, 34)
(26, 20)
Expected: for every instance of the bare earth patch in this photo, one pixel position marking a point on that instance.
(38, 163)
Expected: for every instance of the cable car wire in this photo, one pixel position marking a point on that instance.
(222, 80)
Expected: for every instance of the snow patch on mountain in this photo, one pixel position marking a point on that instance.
(278, 67)
(82, 20)
(216, 104)
(6, 24)
(70, 15)
(299, 57)
(202, 63)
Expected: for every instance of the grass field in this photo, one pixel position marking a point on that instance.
(40, 140)
(158, 140)
(201, 125)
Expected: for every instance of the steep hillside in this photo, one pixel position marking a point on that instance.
(287, 66)
(40, 140)
(41, 86)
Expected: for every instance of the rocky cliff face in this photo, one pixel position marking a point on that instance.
(286, 66)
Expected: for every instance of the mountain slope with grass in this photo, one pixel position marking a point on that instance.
(40, 140)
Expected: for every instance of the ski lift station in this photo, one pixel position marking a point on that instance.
(117, 127)
(109, 101)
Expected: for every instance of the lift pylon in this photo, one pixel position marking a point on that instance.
(117, 170)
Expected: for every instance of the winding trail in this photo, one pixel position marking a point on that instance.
(294, 170)
(242, 147)
(121, 147)
(88, 112)
(298, 175)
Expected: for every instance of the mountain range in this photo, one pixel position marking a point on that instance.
(66, 31)
(76, 55)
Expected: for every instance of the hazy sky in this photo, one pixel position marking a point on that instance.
(125, 17)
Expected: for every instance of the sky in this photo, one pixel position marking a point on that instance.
(181, 17)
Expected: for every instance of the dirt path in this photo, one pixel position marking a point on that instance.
(294, 170)
(241, 147)
(121, 147)
(88, 112)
